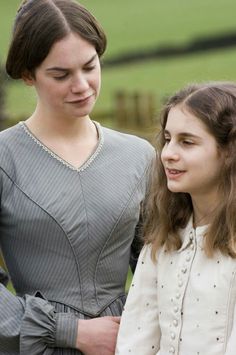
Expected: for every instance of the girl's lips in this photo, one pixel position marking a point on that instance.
(174, 173)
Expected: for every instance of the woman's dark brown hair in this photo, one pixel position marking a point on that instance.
(41, 23)
(166, 212)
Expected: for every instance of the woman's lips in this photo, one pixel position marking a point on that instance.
(81, 100)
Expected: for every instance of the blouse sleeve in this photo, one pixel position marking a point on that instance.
(139, 332)
(30, 325)
(231, 346)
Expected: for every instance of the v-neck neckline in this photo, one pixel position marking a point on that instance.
(88, 161)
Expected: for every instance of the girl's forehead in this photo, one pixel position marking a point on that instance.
(181, 121)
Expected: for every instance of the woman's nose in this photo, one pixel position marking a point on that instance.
(79, 84)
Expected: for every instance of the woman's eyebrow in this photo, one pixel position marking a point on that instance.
(61, 69)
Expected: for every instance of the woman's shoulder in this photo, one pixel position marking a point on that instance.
(8, 135)
(128, 143)
(9, 140)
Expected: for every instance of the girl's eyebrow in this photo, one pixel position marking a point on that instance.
(183, 134)
(61, 69)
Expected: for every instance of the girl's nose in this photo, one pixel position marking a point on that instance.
(170, 152)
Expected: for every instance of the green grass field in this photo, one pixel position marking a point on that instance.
(135, 24)
(161, 77)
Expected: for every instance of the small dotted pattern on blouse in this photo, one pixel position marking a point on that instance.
(194, 298)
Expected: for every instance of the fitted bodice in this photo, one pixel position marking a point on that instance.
(67, 232)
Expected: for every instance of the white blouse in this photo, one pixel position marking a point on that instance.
(183, 304)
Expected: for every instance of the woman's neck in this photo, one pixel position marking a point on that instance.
(45, 127)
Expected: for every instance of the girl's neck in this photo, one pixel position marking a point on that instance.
(203, 211)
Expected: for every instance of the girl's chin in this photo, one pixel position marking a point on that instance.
(172, 188)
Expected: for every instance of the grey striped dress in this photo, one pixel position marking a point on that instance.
(67, 236)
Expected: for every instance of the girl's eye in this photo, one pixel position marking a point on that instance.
(167, 139)
(188, 142)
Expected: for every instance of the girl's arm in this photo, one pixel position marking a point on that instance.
(231, 346)
(30, 325)
(139, 332)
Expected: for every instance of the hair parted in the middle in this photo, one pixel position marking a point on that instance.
(166, 212)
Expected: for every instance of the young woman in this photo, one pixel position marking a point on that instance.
(182, 298)
(71, 192)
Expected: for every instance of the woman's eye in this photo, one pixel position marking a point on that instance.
(61, 77)
(90, 68)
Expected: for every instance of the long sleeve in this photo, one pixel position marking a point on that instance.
(139, 332)
(231, 346)
(30, 325)
(138, 237)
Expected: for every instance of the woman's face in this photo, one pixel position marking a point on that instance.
(190, 156)
(68, 80)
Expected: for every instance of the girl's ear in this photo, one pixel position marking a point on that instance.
(28, 78)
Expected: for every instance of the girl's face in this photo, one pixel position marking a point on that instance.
(190, 157)
(68, 80)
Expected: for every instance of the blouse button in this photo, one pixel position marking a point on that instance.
(177, 295)
(183, 270)
(172, 335)
(180, 283)
(175, 322)
(176, 309)
(172, 350)
(188, 258)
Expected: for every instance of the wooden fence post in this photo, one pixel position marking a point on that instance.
(121, 109)
(134, 110)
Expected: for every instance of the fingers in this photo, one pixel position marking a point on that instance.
(115, 319)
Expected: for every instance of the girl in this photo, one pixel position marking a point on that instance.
(183, 294)
(71, 192)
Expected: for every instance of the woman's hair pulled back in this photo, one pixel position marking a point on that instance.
(41, 23)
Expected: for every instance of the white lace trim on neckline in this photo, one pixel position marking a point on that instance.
(85, 165)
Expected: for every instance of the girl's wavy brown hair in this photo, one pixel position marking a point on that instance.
(166, 212)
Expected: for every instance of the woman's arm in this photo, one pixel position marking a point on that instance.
(30, 325)
(139, 330)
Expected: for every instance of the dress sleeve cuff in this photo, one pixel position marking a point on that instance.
(66, 330)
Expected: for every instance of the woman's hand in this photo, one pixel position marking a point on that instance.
(98, 335)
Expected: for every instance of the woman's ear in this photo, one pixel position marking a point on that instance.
(28, 78)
